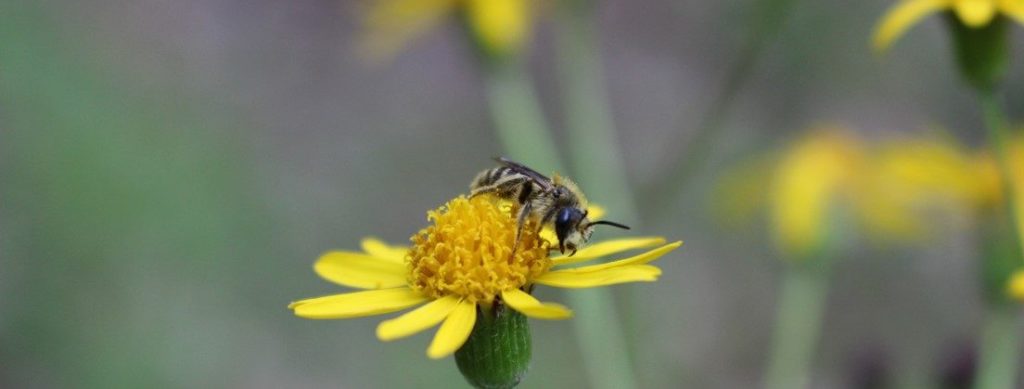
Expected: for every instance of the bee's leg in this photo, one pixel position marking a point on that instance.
(523, 214)
(479, 191)
(547, 217)
(497, 187)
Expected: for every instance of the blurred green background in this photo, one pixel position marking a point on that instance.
(169, 171)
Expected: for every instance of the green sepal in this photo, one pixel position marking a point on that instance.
(497, 353)
(982, 52)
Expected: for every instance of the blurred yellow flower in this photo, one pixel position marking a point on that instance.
(988, 173)
(1015, 288)
(910, 176)
(889, 189)
(500, 27)
(972, 13)
(991, 182)
(461, 262)
(816, 171)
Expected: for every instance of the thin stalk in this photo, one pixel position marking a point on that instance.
(1000, 349)
(599, 335)
(518, 119)
(599, 169)
(596, 159)
(688, 151)
(999, 138)
(521, 127)
(798, 320)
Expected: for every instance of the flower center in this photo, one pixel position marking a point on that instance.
(467, 252)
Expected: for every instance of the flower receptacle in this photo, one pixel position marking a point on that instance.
(981, 52)
(497, 353)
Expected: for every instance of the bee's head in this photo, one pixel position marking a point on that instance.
(573, 228)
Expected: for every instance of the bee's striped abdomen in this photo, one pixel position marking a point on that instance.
(504, 183)
(485, 178)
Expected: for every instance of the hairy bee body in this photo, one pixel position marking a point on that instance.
(510, 184)
(505, 183)
(547, 201)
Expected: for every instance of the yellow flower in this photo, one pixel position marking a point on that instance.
(888, 189)
(972, 13)
(819, 169)
(1015, 288)
(929, 167)
(461, 262)
(991, 181)
(499, 26)
(910, 176)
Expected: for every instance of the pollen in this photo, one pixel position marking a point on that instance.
(467, 252)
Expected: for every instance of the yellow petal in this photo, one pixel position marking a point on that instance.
(812, 178)
(379, 249)
(417, 320)
(357, 304)
(901, 17)
(1013, 8)
(359, 270)
(618, 275)
(595, 212)
(1015, 288)
(634, 260)
(910, 176)
(501, 25)
(454, 332)
(975, 13)
(609, 247)
(529, 306)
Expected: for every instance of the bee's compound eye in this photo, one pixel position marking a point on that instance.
(563, 216)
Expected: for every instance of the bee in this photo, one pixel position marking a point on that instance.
(557, 202)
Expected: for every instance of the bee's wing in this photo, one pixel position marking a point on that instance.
(517, 167)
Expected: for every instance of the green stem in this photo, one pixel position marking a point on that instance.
(999, 137)
(798, 322)
(518, 118)
(599, 335)
(1000, 349)
(688, 154)
(599, 169)
(596, 159)
(522, 130)
(994, 121)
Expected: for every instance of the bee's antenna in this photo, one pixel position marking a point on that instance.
(610, 223)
